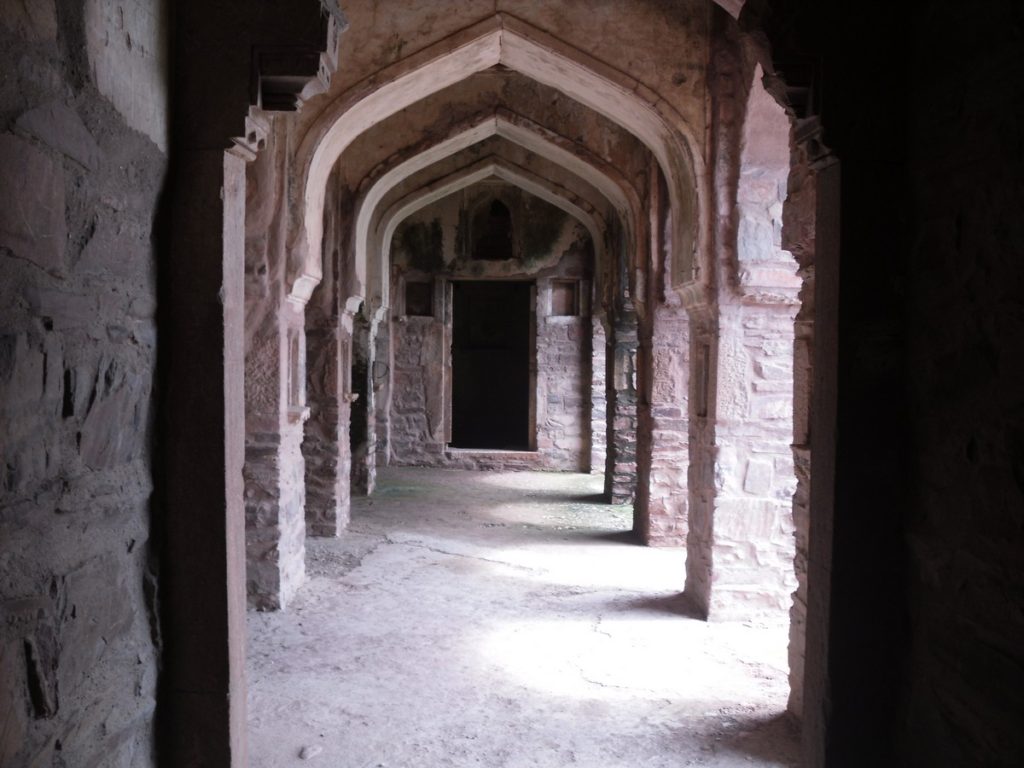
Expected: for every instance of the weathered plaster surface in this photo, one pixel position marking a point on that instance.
(127, 53)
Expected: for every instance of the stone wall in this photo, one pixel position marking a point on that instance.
(922, 331)
(964, 671)
(563, 386)
(427, 247)
(79, 638)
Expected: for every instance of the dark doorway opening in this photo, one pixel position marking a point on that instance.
(491, 354)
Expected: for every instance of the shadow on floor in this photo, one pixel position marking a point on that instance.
(555, 497)
(674, 605)
(611, 537)
(762, 738)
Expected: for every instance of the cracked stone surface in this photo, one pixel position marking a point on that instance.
(506, 619)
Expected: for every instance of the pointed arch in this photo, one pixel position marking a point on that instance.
(505, 40)
(491, 167)
(617, 191)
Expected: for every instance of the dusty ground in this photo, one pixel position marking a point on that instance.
(475, 619)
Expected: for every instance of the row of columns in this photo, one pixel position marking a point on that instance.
(205, 320)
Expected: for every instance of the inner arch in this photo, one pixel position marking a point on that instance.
(617, 191)
(488, 168)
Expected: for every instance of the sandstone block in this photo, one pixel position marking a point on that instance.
(60, 127)
(65, 309)
(12, 735)
(747, 520)
(755, 240)
(30, 394)
(32, 224)
(35, 657)
(34, 20)
(99, 610)
(757, 480)
(119, 250)
(114, 427)
(772, 408)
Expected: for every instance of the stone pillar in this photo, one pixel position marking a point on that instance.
(380, 380)
(329, 325)
(798, 233)
(823, 430)
(663, 484)
(598, 395)
(274, 392)
(621, 461)
(803, 344)
(362, 424)
(274, 467)
(202, 316)
(326, 444)
(701, 471)
(752, 537)
(204, 603)
(745, 563)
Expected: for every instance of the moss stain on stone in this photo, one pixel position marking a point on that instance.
(541, 227)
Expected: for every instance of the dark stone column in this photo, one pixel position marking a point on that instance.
(326, 443)
(202, 592)
(362, 426)
(620, 477)
(380, 379)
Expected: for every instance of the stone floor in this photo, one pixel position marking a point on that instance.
(489, 619)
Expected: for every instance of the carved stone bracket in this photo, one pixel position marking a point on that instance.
(255, 138)
(283, 77)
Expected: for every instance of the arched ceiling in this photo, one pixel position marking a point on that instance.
(452, 109)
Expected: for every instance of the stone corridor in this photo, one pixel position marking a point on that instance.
(506, 619)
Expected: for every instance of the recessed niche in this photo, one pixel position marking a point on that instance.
(492, 228)
(565, 298)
